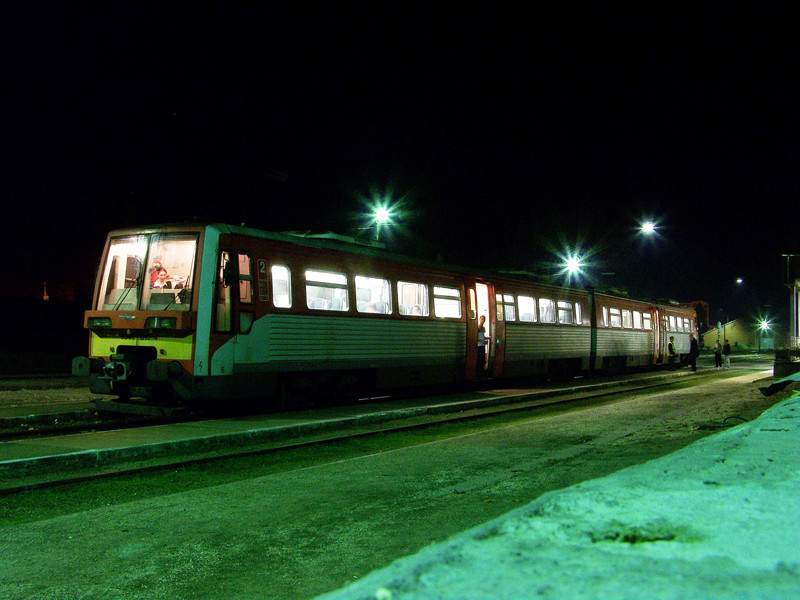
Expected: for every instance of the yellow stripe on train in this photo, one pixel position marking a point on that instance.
(167, 348)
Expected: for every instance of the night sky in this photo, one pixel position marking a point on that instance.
(505, 133)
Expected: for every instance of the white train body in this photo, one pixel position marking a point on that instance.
(245, 313)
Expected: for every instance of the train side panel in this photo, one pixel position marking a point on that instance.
(399, 353)
(532, 348)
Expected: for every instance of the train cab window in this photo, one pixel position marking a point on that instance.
(578, 314)
(446, 302)
(614, 317)
(673, 324)
(687, 325)
(373, 295)
(647, 322)
(162, 283)
(281, 286)
(527, 309)
(637, 319)
(413, 299)
(605, 316)
(627, 319)
(565, 314)
(509, 307)
(246, 288)
(326, 290)
(547, 311)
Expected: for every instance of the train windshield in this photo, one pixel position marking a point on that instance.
(148, 272)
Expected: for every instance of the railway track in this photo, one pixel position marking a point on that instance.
(280, 432)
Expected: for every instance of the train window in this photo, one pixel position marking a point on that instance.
(565, 314)
(446, 302)
(647, 322)
(498, 305)
(281, 286)
(373, 295)
(246, 289)
(578, 314)
(637, 319)
(627, 319)
(687, 325)
(122, 273)
(326, 290)
(509, 308)
(615, 317)
(128, 283)
(605, 316)
(473, 304)
(527, 308)
(170, 264)
(413, 298)
(547, 311)
(673, 324)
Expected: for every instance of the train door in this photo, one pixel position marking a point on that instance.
(660, 339)
(481, 303)
(234, 308)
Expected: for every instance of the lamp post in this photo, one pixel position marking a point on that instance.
(382, 216)
(762, 327)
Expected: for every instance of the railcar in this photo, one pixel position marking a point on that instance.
(188, 314)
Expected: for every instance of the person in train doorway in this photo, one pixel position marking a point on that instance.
(726, 352)
(482, 341)
(718, 355)
(672, 355)
(694, 352)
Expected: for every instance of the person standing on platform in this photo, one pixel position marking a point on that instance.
(694, 352)
(672, 355)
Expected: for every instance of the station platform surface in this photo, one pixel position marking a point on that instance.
(39, 460)
(714, 520)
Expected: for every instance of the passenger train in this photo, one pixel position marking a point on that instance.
(186, 314)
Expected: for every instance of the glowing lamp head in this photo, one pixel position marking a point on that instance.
(648, 228)
(382, 215)
(573, 264)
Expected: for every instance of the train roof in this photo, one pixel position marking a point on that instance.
(365, 246)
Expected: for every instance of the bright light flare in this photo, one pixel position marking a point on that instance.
(648, 228)
(573, 264)
(764, 325)
(383, 215)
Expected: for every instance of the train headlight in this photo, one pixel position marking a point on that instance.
(161, 323)
(99, 322)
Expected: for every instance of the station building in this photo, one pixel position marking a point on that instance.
(742, 335)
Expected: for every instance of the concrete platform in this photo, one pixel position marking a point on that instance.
(37, 461)
(714, 520)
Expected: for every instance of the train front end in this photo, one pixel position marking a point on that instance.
(143, 322)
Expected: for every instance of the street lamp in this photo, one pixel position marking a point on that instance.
(573, 264)
(762, 327)
(648, 228)
(382, 215)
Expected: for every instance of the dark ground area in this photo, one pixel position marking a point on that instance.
(41, 336)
